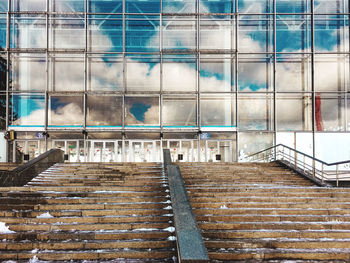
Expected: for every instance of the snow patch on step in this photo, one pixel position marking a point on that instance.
(170, 229)
(4, 229)
(45, 215)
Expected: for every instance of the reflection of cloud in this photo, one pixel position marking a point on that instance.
(70, 114)
(107, 75)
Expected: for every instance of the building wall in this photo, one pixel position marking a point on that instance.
(251, 70)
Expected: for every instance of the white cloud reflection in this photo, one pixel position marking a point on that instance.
(107, 75)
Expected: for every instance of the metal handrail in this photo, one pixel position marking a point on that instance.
(317, 172)
(311, 157)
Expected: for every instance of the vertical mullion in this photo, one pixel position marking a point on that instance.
(313, 76)
(236, 74)
(161, 69)
(8, 18)
(274, 73)
(124, 72)
(85, 64)
(198, 58)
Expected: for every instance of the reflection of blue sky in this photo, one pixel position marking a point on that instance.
(2, 31)
(25, 105)
(142, 35)
(138, 110)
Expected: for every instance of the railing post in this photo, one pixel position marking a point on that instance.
(313, 168)
(295, 160)
(337, 175)
(322, 172)
(304, 162)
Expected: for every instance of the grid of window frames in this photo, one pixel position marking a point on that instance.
(260, 66)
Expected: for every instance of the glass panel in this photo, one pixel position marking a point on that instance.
(143, 74)
(3, 6)
(255, 112)
(181, 6)
(105, 73)
(180, 111)
(3, 71)
(105, 33)
(293, 6)
(72, 68)
(66, 111)
(104, 110)
(217, 111)
(331, 33)
(142, 6)
(179, 33)
(3, 111)
(3, 30)
(298, 119)
(142, 33)
(329, 112)
(293, 33)
(332, 73)
(67, 5)
(67, 32)
(293, 73)
(27, 110)
(255, 6)
(27, 5)
(28, 72)
(142, 111)
(255, 73)
(250, 143)
(105, 6)
(109, 152)
(28, 31)
(216, 73)
(255, 33)
(174, 147)
(33, 149)
(216, 33)
(179, 66)
(330, 6)
(221, 6)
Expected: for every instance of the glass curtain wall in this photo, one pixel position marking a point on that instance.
(253, 68)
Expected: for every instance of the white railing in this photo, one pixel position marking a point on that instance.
(304, 163)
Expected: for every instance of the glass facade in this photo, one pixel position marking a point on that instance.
(249, 70)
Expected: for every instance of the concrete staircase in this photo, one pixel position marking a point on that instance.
(264, 212)
(92, 211)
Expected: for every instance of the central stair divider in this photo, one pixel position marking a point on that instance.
(189, 241)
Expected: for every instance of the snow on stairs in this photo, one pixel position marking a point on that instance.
(90, 211)
(266, 212)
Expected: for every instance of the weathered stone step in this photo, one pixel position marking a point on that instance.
(82, 200)
(91, 220)
(278, 243)
(281, 225)
(270, 254)
(88, 227)
(271, 211)
(90, 254)
(314, 234)
(252, 204)
(85, 194)
(285, 199)
(273, 218)
(237, 194)
(101, 212)
(86, 244)
(87, 235)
